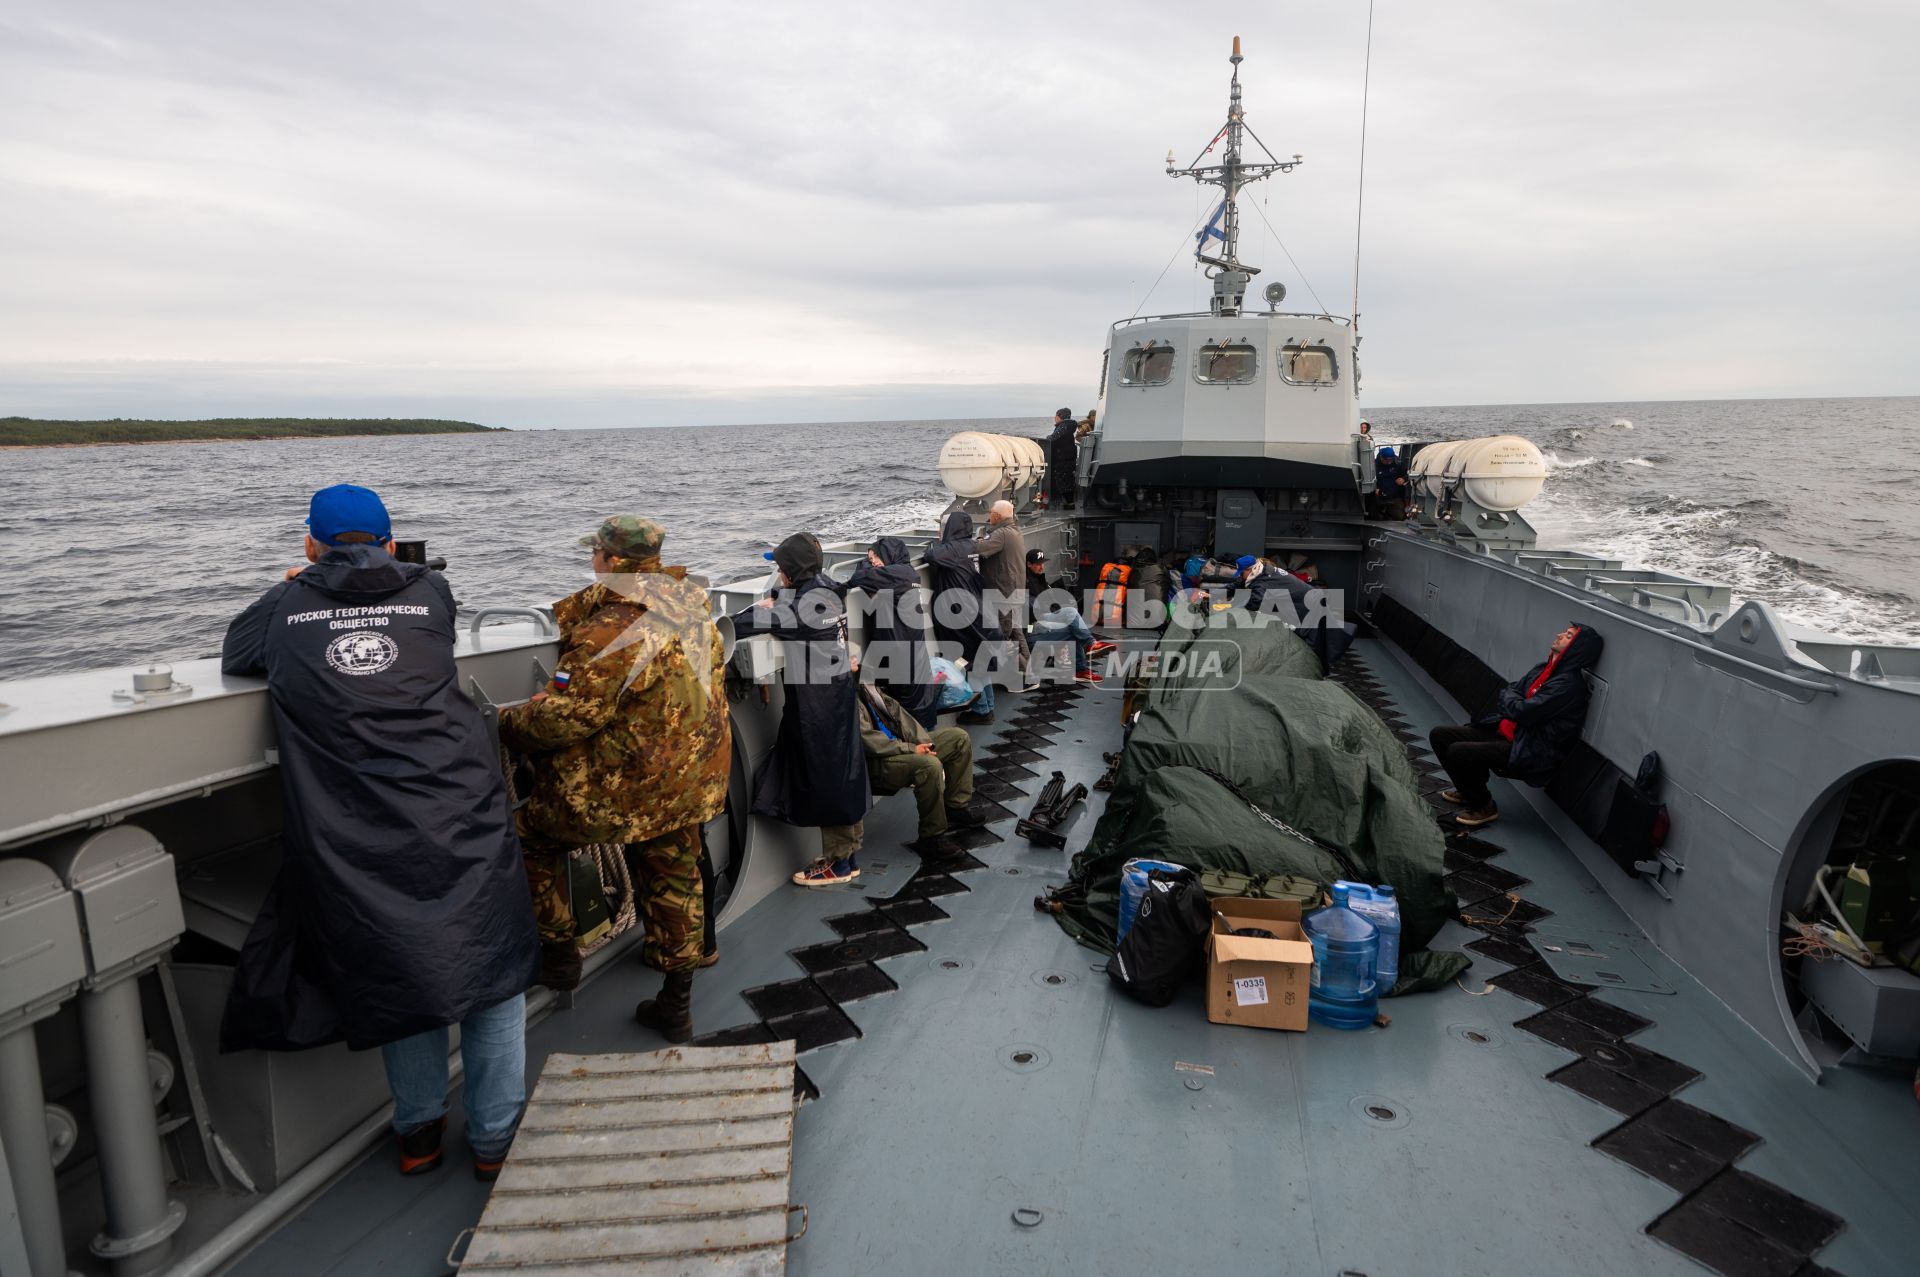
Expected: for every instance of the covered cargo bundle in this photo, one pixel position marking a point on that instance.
(1239, 645)
(1338, 797)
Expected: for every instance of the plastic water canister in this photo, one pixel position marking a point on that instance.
(1382, 909)
(1345, 946)
(1133, 888)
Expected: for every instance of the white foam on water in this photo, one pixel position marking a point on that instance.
(1690, 541)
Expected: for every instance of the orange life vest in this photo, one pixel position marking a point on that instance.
(1110, 600)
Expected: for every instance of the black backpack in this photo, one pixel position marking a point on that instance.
(1166, 942)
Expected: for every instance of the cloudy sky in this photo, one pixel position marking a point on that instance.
(599, 214)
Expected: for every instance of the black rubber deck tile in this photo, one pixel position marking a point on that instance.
(1469, 893)
(1536, 984)
(1697, 1128)
(1509, 913)
(1603, 1086)
(1475, 847)
(850, 984)
(1789, 1221)
(1649, 1068)
(755, 1034)
(858, 924)
(990, 811)
(870, 947)
(987, 785)
(924, 886)
(1006, 769)
(913, 913)
(1440, 805)
(972, 838)
(811, 1030)
(803, 1086)
(1496, 877)
(1504, 948)
(1615, 1022)
(1041, 718)
(1721, 1244)
(1651, 1153)
(1017, 754)
(771, 1001)
(1564, 1031)
(1027, 738)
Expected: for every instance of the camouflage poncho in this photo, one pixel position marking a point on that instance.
(632, 739)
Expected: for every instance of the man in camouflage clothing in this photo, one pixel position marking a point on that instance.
(630, 743)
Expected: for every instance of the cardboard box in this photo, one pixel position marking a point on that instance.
(1252, 981)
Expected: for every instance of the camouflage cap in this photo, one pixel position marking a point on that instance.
(627, 536)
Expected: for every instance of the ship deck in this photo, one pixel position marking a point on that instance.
(927, 1133)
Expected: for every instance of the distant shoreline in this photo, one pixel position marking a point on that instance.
(17, 433)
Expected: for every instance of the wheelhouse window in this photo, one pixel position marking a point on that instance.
(1226, 363)
(1305, 365)
(1148, 365)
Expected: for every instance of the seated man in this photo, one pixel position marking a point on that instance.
(937, 766)
(1059, 625)
(1528, 734)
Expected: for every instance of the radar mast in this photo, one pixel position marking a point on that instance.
(1224, 267)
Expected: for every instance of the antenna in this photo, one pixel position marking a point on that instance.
(1360, 200)
(1229, 275)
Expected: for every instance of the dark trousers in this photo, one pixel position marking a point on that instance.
(1469, 754)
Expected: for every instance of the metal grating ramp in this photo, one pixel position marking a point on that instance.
(673, 1161)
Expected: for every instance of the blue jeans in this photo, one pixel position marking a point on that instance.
(1064, 626)
(983, 703)
(493, 1047)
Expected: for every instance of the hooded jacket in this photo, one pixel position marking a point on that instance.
(893, 587)
(955, 561)
(632, 739)
(1547, 723)
(1003, 560)
(1063, 459)
(816, 773)
(401, 903)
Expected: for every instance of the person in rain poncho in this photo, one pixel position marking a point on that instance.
(401, 907)
(960, 618)
(897, 658)
(817, 772)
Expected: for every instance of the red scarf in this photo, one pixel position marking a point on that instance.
(1507, 727)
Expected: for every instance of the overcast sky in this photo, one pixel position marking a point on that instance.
(601, 214)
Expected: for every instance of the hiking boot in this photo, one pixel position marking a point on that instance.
(648, 958)
(671, 1013)
(827, 873)
(937, 849)
(420, 1148)
(559, 965)
(964, 818)
(1453, 796)
(973, 718)
(1474, 819)
(487, 1169)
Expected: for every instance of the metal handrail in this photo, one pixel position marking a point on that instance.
(549, 628)
(1244, 314)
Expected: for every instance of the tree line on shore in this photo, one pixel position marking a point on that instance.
(31, 432)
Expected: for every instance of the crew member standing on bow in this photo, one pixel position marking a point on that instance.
(630, 744)
(400, 907)
(1063, 460)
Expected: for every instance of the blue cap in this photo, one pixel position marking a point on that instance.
(346, 508)
(1245, 561)
(1387, 453)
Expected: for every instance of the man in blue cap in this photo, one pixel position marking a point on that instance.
(401, 906)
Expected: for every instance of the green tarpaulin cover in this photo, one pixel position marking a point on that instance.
(1271, 733)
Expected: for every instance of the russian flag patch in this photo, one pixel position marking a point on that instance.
(561, 679)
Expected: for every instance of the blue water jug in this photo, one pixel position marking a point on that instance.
(1380, 906)
(1133, 886)
(1345, 945)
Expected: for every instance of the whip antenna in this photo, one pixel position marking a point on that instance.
(1360, 202)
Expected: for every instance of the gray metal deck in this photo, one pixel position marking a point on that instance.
(1004, 1077)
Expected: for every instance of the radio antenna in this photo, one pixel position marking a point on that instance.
(1360, 202)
